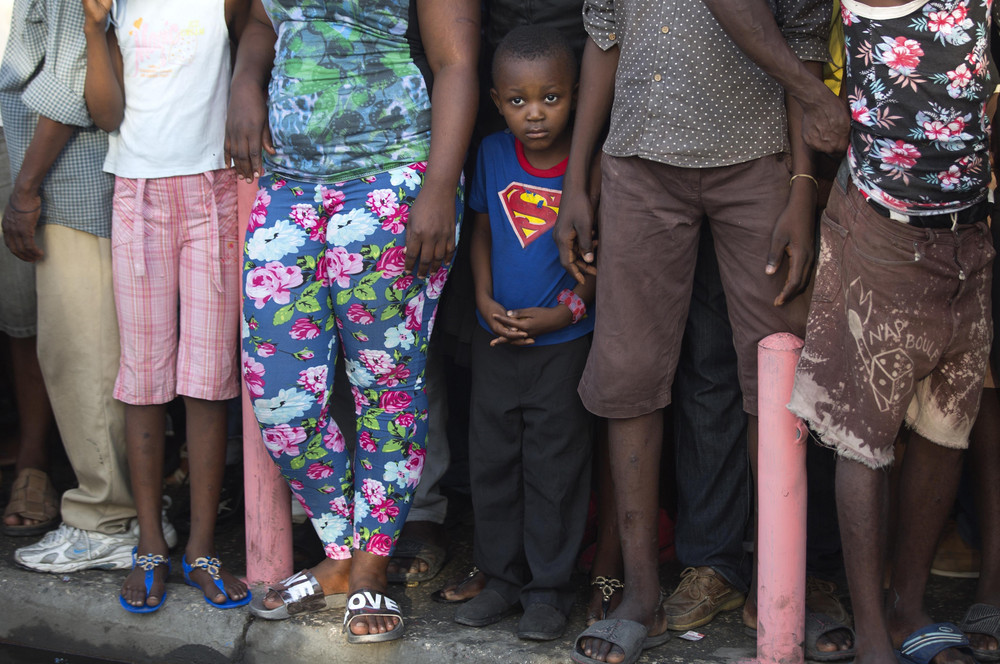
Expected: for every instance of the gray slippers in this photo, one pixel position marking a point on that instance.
(632, 637)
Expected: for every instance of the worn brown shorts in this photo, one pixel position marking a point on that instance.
(899, 331)
(650, 219)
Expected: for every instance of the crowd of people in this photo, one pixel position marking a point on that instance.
(646, 180)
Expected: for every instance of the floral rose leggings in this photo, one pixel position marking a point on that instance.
(323, 265)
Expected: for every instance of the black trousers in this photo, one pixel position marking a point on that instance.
(530, 442)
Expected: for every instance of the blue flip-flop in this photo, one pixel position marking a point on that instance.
(924, 644)
(212, 566)
(148, 562)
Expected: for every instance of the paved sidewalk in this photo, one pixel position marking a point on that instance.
(79, 614)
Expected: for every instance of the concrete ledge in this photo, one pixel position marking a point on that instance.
(428, 640)
(79, 614)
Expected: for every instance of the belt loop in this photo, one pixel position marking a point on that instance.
(138, 230)
(214, 230)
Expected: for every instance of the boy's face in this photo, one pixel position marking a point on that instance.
(536, 98)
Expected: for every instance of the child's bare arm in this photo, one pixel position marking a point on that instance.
(794, 229)
(482, 278)
(479, 257)
(246, 122)
(237, 15)
(104, 89)
(536, 321)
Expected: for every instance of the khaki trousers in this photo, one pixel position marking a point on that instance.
(78, 352)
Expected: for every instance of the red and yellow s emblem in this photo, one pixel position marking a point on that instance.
(530, 210)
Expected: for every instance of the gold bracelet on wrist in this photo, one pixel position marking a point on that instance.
(803, 175)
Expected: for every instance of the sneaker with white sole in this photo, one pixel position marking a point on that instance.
(69, 549)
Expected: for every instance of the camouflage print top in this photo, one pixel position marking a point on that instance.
(348, 95)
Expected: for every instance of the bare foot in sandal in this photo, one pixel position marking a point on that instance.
(461, 590)
(645, 609)
(835, 640)
(368, 575)
(333, 577)
(133, 590)
(33, 505)
(219, 586)
(420, 552)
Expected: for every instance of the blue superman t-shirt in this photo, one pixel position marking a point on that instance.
(523, 203)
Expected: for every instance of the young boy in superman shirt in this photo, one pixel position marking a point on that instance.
(530, 437)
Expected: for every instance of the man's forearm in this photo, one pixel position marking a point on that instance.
(751, 26)
(46, 145)
(596, 92)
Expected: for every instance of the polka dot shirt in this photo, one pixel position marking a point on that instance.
(685, 94)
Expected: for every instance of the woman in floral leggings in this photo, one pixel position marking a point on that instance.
(349, 244)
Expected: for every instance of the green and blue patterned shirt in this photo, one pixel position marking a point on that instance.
(349, 93)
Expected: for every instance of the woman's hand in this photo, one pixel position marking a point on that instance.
(430, 232)
(449, 30)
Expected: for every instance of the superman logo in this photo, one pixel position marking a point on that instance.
(530, 210)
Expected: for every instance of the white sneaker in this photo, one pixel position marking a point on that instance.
(69, 549)
(169, 532)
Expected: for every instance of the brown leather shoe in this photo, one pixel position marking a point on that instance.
(699, 597)
(822, 597)
(954, 557)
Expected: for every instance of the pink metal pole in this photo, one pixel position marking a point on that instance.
(268, 506)
(781, 500)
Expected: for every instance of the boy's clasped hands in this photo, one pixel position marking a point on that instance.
(519, 327)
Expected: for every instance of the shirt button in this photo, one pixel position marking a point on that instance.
(612, 36)
(665, 29)
(657, 77)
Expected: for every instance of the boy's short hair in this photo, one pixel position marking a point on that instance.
(534, 42)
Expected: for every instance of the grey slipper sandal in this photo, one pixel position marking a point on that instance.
(409, 548)
(983, 619)
(300, 593)
(632, 637)
(818, 624)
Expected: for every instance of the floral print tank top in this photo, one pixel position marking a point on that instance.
(348, 95)
(918, 78)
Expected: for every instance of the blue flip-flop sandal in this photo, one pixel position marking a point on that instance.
(148, 562)
(212, 566)
(924, 644)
